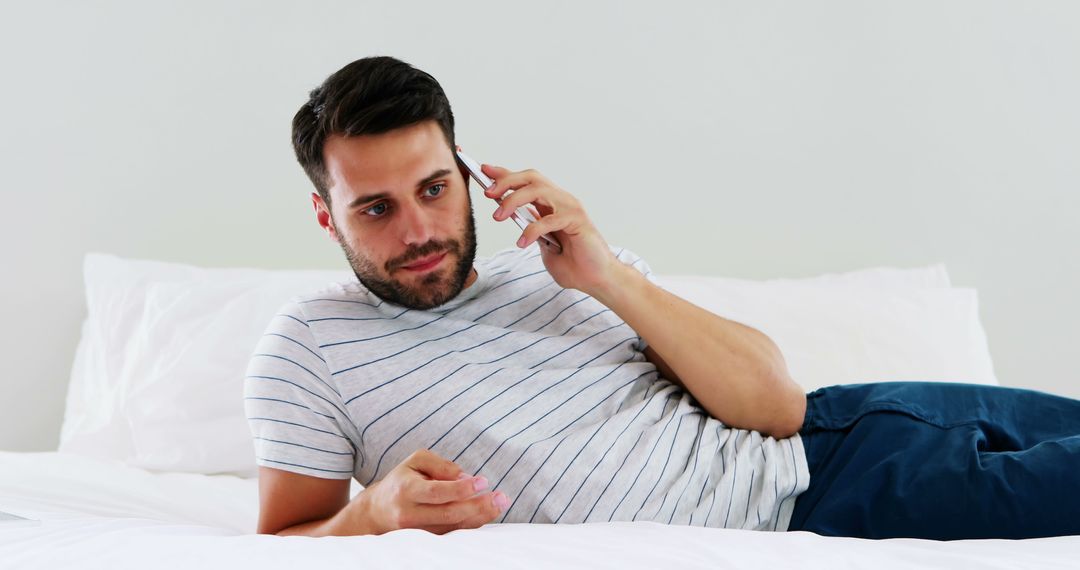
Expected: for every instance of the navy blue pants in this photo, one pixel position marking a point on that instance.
(941, 461)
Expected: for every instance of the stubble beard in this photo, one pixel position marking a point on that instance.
(435, 287)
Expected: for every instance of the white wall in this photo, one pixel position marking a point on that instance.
(750, 139)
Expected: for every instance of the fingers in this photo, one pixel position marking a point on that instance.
(516, 189)
(496, 173)
(471, 513)
(493, 171)
(433, 465)
(529, 195)
(433, 493)
(439, 492)
(506, 180)
(546, 225)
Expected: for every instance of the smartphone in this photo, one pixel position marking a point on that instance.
(521, 216)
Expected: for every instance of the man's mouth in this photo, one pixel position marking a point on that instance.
(426, 263)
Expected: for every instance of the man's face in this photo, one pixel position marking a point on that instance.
(396, 200)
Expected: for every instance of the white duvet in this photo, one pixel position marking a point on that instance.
(99, 514)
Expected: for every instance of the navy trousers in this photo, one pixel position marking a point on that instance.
(940, 460)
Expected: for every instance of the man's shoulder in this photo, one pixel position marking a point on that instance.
(337, 296)
(348, 290)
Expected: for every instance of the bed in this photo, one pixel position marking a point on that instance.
(155, 465)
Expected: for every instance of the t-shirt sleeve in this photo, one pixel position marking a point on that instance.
(294, 412)
(637, 262)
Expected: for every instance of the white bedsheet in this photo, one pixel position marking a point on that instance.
(96, 514)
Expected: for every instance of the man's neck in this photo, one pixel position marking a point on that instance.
(470, 279)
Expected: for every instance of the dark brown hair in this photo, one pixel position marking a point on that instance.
(369, 96)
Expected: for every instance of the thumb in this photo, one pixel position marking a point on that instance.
(435, 466)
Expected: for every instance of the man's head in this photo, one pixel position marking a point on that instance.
(377, 141)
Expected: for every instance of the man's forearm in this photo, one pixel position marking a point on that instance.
(344, 523)
(320, 527)
(735, 372)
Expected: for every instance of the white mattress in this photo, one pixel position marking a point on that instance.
(96, 514)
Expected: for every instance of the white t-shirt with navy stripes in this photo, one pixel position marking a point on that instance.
(542, 390)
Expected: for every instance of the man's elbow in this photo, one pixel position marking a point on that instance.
(790, 418)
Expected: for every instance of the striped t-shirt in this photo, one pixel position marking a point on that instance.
(542, 390)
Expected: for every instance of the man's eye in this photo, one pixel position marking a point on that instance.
(439, 186)
(380, 207)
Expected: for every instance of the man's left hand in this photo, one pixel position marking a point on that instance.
(586, 262)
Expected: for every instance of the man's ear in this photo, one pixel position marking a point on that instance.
(322, 215)
(464, 172)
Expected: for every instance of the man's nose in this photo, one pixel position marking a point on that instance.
(416, 224)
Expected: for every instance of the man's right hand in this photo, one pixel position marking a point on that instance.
(427, 492)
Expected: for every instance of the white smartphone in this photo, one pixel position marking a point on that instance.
(521, 216)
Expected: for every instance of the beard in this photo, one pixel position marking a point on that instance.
(435, 287)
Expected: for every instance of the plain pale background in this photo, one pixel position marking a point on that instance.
(738, 139)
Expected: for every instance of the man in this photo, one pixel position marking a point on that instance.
(536, 386)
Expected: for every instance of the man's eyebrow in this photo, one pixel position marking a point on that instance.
(360, 200)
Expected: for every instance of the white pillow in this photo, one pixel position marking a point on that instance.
(846, 335)
(935, 275)
(158, 375)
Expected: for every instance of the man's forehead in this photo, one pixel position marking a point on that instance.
(356, 165)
